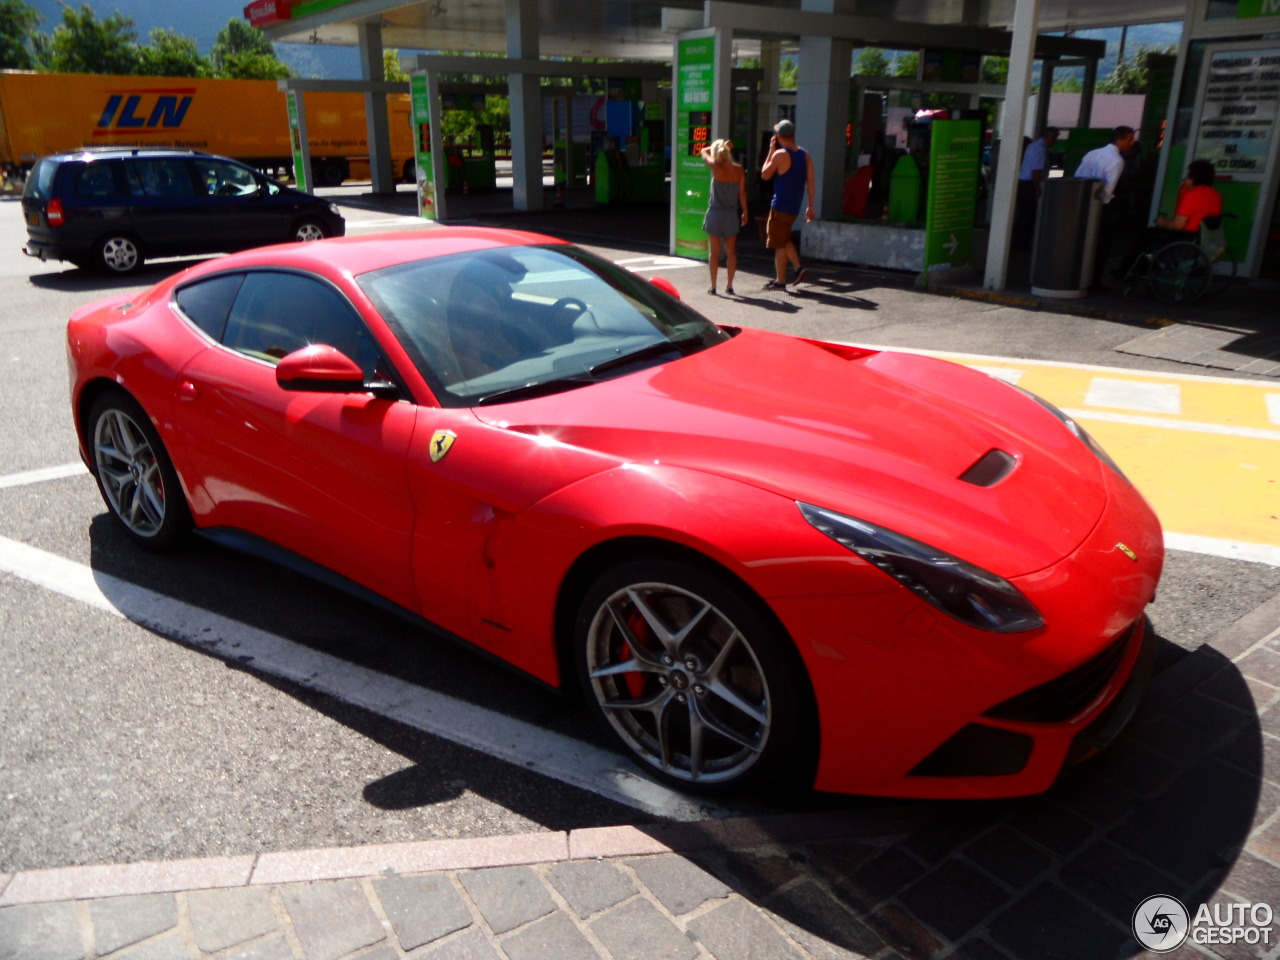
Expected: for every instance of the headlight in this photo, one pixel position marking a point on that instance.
(972, 595)
(1078, 430)
(333, 208)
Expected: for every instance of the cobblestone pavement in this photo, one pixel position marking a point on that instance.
(1185, 805)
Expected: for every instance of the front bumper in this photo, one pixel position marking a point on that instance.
(912, 703)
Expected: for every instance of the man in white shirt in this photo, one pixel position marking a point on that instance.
(1107, 164)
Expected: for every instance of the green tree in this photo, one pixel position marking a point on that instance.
(907, 65)
(871, 62)
(995, 70)
(82, 43)
(254, 66)
(244, 53)
(788, 73)
(18, 22)
(1067, 83)
(171, 54)
(1130, 74)
(391, 67)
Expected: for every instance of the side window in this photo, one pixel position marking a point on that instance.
(275, 314)
(207, 303)
(98, 180)
(164, 177)
(222, 179)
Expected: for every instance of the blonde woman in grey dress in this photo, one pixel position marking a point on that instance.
(726, 209)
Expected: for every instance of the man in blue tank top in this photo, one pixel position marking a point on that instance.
(792, 174)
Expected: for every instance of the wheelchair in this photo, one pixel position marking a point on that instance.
(1183, 271)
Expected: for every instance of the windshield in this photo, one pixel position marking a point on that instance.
(497, 325)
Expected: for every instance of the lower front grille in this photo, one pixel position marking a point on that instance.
(1064, 697)
(977, 751)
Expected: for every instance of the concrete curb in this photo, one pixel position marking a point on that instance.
(428, 856)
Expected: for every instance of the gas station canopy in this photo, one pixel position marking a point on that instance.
(636, 29)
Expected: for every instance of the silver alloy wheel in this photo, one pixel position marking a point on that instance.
(308, 231)
(119, 254)
(129, 472)
(679, 683)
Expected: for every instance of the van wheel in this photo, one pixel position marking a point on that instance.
(118, 254)
(305, 230)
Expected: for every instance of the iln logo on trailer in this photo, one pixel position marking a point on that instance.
(141, 110)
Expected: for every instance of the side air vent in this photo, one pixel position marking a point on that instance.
(991, 468)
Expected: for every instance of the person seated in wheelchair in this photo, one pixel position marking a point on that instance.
(1197, 199)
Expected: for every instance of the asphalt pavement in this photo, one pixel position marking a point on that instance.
(1185, 805)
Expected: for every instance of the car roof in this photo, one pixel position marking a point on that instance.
(106, 152)
(354, 255)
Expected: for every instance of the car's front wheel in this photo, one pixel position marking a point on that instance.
(691, 678)
(118, 254)
(134, 473)
(305, 230)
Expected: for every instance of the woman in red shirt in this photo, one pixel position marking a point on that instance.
(1197, 199)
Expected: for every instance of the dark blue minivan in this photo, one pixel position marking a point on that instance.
(110, 208)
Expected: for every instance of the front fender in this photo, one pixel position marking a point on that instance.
(757, 536)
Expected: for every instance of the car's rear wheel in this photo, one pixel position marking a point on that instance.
(306, 230)
(134, 473)
(118, 254)
(690, 678)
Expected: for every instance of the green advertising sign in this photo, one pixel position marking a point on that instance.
(954, 158)
(1247, 9)
(690, 179)
(297, 137)
(420, 117)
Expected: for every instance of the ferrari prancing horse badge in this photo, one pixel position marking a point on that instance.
(441, 444)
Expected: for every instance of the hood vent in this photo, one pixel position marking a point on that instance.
(992, 467)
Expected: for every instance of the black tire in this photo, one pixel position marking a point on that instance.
(330, 173)
(308, 229)
(409, 173)
(1180, 273)
(733, 681)
(134, 473)
(118, 254)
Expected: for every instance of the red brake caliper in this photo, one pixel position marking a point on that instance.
(640, 631)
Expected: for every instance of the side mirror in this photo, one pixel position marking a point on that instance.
(319, 369)
(666, 286)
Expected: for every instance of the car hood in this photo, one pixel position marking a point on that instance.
(882, 436)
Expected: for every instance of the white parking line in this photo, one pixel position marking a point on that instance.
(659, 263)
(1131, 395)
(553, 755)
(1189, 425)
(44, 473)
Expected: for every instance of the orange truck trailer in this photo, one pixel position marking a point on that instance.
(43, 113)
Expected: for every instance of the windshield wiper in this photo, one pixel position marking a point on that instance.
(652, 351)
(539, 388)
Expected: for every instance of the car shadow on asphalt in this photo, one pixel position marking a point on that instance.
(75, 279)
(1166, 810)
